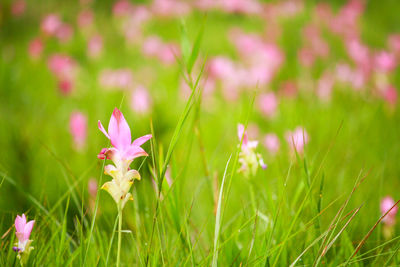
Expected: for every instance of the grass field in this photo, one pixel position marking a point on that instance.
(315, 83)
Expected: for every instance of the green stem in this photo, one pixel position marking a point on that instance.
(119, 234)
(253, 198)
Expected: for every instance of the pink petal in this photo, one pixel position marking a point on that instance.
(28, 229)
(134, 152)
(101, 128)
(118, 129)
(20, 223)
(141, 140)
(242, 133)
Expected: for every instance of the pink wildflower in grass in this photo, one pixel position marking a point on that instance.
(78, 129)
(248, 158)
(140, 101)
(23, 231)
(64, 69)
(297, 139)
(170, 8)
(386, 204)
(268, 104)
(288, 89)
(306, 56)
(240, 6)
(271, 143)
(394, 44)
(122, 153)
(95, 46)
(35, 48)
(390, 95)
(153, 46)
(122, 8)
(50, 24)
(18, 8)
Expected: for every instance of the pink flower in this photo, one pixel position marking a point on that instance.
(78, 128)
(95, 46)
(119, 133)
(62, 66)
(35, 48)
(390, 95)
(23, 231)
(385, 61)
(64, 32)
(325, 86)
(92, 187)
(267, 103)
(394, 43)
(170, 8)
(271, 143)
(141, 100)
(18, 8)
(297, 139)
(85, 18)
(248, 158)
(386, 204)
(122, 8)
(120, 79)
(50, 24)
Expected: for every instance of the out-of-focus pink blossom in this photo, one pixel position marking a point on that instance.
(117, 79)
(95, 46)
(358, 52)
(267, 104)
(64, 68)
(18, 8)
(325, 86)
(386, 204)
(140, 101)
(85, 18)
(170, 8)
(394, 44)
(50, 24)
(64, 32)
(390, 95)
(92, 187)
(306, 57)
(385, 61)
(297, 139)
(35, 48)
(78, 129)
(65, 85)
(343, 72)
(165, 52)
(288, 89)
(271, 143)
(122, 8)
(240, 6)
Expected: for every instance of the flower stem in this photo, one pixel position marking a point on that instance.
(119, 234)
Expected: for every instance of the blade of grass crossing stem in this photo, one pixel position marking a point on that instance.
(218, 218)
(185, 44)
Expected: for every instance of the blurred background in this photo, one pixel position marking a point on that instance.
(324, 73)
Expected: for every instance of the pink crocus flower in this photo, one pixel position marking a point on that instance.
(297, 139)
(119, 134)
(248, 158)
(78, 129)
(386, 204)
(268, 103)
(35, 48)
(23, 231)
(271, 143)
(140, 100)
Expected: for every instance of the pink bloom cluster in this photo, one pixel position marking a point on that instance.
(64, 69)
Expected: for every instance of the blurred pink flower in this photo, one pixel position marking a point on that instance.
(119, 79)
(385, 61)
(394, 44)
(240, 6)
(64, 32)
(297, 139)
(50, 24)
(170, 8)
(95, 46)
(267, 104)
(119, 133)
(386, 204)
(18, 8)
(288, 89)
(306, 56)
(35, 48)
(64, 68)
(140, 100)
(271, 143)
(165, 52)
(325, 86)
(92, 187)
(390, 95)
(122, 8)
(85, 18)
(23, 231)
(78, 129)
